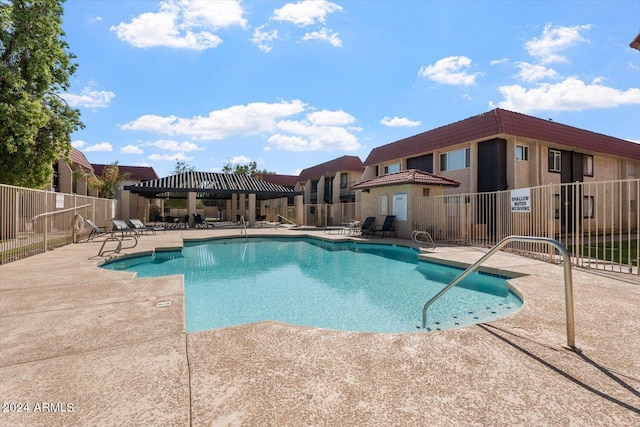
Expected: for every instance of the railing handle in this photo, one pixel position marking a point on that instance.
(568, 280)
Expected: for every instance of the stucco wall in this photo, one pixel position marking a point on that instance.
(370, 204)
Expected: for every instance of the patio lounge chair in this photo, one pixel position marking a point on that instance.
(367, 226)
(386, 227)
(142, 228)
(351, 228)
(120, 226)
(200, 223)
(95, 230)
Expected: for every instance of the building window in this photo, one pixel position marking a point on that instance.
(453, 160)
(425, 192)
(554, 161)
(522, 152)
(343, 180)
(587, 165)
(314, 186)
(392, 168)
(587, 206)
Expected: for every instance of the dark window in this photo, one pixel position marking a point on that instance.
(56, 178)
(423, 163)
(587, 165)
(522, 152)
(555, 161)
(587, 206)
(343, 180)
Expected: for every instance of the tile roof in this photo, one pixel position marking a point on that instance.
(344, 163)
(636, 42)
(284, 180)
(137, 173)
(410, 176)
(78, 157)
(210, 185)
(500, 122)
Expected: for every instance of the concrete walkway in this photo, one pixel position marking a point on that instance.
(85, 346)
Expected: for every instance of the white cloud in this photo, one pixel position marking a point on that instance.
(239, 160)
(102, 146)
(89, 97)
(176, 146)
(533, 73)
(305, 136)
(398, 122)
(78, 143)
(324, 35)
(94, 19)
(145, 164)
(131, 149)
(553, 41)
(170, 157)
(326, 117)
(319, 130)
(306, 12)
(182, 24)
(240, 120)
(634, 67)
(499, 61)
(450, 71)
(262, 39)
(571, 94)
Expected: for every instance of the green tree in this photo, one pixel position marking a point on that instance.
(249, 169)
(109, 181)
(182, 167)
(35, 123)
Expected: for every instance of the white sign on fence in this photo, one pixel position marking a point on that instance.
(521, 200)
(59, 201)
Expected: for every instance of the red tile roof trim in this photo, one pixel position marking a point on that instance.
(636, 42)
(500, 123)
(78, 157)
(137, 173)
(344, 163)
(283, 180)
(410, 176)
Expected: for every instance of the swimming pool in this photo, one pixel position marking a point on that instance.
(311, 282)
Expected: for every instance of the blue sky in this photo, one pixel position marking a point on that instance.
(290, 85)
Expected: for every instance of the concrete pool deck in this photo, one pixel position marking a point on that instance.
(108, 349)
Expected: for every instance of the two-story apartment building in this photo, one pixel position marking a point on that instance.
(503, 150)
(330, 182)
(71, 178)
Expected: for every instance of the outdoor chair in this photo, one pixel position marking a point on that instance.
(386, 227)
(120, 226)
(352, 228)
(95, 230)
(367, 226)
(199, 222)
(142, 228)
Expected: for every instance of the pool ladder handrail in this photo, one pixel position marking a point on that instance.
(243, 227)
(568, 280)
(286, 220)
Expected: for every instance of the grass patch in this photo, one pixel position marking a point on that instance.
(622, 252)
(31, 249)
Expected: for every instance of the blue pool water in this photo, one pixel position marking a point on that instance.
(311, 282)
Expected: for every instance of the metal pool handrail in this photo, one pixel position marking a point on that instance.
(243, 226)
(568, 281)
